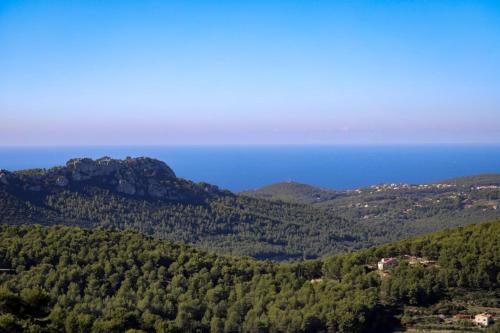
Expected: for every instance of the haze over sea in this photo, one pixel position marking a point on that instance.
(245, 167)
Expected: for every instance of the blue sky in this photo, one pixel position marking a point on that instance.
(263, 72)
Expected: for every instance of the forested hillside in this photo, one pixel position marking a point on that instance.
(400, 209)
(66, 279)
(145, 195)
(293, 192)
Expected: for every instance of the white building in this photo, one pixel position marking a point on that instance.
(483, 319)
(386, 263)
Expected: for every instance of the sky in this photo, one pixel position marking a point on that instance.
(249, 72)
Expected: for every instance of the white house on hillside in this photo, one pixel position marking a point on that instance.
(386, 263)
(483, 319)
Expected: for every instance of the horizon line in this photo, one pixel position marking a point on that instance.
(249, 144)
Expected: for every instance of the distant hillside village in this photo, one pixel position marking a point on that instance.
(385, 265)
(403, 186)
(422, 187)
(409, 201)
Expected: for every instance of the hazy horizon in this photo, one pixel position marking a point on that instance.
(218, 72)
(252, 144)
(243, 167)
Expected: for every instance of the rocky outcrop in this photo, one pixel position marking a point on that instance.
(141, 176)
(125, 187)
(62, 181)
(3, 178)
(86, 168)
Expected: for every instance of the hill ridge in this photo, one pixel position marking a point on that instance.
(139, 176)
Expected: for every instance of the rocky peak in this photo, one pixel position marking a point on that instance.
(86, 168)
(140, 176)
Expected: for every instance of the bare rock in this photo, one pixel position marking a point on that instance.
(81, 168)
(3, 178)
(62, 181)
(125, 187)
(156, 190)
(86, 165)
(149, 167)
(140, 176)
(106, 166)
(86, 168)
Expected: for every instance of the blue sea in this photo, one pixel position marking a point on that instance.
(247, 167)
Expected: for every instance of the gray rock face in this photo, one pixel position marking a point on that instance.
(3, 178)
(86, 168)
(62, 181)
(106, 166)
(141, 176)
(81, 168)
(85, 165)
(125, 187)
(156, 191)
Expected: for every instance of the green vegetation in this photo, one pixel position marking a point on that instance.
(145, 195)
(67, 279)
(477, 180)
(398, 210)
(293, 192)
(228, 224)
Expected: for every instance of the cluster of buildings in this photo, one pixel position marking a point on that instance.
(403, 186)
(386, 264)
(486, 187)
(388, 187)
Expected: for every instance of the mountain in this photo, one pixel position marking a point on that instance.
(140, 177)
(67, 279)
(144, 194)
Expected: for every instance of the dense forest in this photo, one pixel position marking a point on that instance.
(145, 195)
(67, 279)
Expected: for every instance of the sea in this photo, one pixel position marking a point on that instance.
(244, 167)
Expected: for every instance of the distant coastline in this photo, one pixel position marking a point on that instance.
(244, 167)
